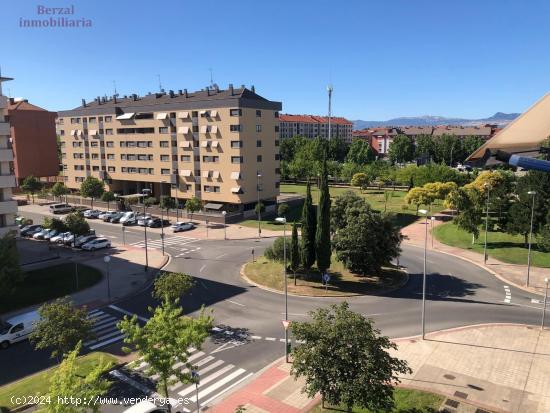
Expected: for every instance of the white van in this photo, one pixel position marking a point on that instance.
(60, 208)
(17, 328)
(129, 218)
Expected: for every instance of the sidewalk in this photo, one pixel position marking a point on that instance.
(514, 274)
(498, 368)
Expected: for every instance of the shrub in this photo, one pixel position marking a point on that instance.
(276, 251)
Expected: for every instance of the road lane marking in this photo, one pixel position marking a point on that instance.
(207, 379)
(270, 338)
(220, 383)
(228, 388)
(256, 337)
(202, 268)
(114, 307)
(220, 256)
(236, 303)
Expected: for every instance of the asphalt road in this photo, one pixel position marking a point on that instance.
(458, 294)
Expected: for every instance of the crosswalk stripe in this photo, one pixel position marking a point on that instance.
(105, 321)
(93, 313)
(104, 343)
(112, 333)
(102, 329)
(206, 380)
(100, 317)
(198, 364)
(227, 389)
(220, 383)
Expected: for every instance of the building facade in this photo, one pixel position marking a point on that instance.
(310, 126)
(8, 207)
(221, 146)
(33, 138)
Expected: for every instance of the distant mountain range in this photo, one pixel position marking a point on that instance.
(498, 118)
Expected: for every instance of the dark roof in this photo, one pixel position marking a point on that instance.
(202, 99)
(23, 105)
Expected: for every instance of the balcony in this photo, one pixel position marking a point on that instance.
(6, 155)
(8, 207)
(7, 181)
(4, 128)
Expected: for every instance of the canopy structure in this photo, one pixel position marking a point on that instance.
(211, 205)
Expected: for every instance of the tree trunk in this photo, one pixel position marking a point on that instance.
(526, 240)
(473, 239)
(92, 204)
(165, 383)
(350, 408)
(294, 277)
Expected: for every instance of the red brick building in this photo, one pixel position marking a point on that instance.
(311, 126)
(34, 140)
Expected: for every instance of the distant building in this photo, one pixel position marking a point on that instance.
(34, 140)
(484, 132)
(8, 207)
(311, 126)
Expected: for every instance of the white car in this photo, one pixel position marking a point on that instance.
(129, 218)
(60, 238)
(182, 226)
(91, 213)
(97, 244)
(103, 214)
(142, 220)
(17, 328)
(41, 234)
(83, 239)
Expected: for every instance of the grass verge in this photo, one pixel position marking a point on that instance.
(38, 383)
(504, 247)
(342, 282)
(47, 283)
(406, 401)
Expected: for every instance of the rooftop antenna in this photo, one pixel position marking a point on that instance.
(211, 78)
(160, 84)
(329, 90)
(114, 85)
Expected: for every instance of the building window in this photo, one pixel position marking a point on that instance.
(236, 144)
(144, 171)
(95, 168)
(108, 118)
(165, 171)
(277, 171)
(75, 120)
(235, 128)
(111, 169)
(258, 113)
(110, 156)
(236, 159)
(276, 114)
(110, 144)
(258, 128)
(164, 144)
(185, 158)
(163, 129)
(61, 121)
(108, 131)
(276, 142)
(195, 114)
(92, 120)
(277, 156)
(258, 143)
(258, 158)
(164, 158)
(210, 158)
(277, 128)
(62, 132)
(211, 188)
(94, 144)
(95, 156)
(235, 112)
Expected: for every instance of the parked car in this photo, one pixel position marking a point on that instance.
(106, 216)
(182, 226)
(92, 213)
(83, 239)
(40, 234)
(30, 230)
(60, 208)
(17, 328)
(50, 233)
(143, 219)
(68, 240)
(157, 223)
(97, 244)
(129, 218)
(115, 217)
(60, 238)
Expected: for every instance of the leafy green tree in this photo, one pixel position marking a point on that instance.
(345, 359)
(449, 150)
(337, 150)
(167, 203)
(468, 202)
(59, 190)
(149, 201)
(309, 225)
(68, 383)
(55, 224)
(170, 286)
(283, 209)
(77, 224)
(341, 204)
(471, 143)
(294, 251)
(165, 340)
(368, 240)
(360, 152)
(360, 179)
(92, 188)
(419, 196)
(31, 185)
(193, 205)
(108, 196)
(10, 269)
(401, 149)
(61, 326)
(349, 169)
(275, 252)
(519, 217)
(322, 235)
(425, 147)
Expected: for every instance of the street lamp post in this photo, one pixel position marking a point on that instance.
(546, 281)
(486, 223)
(145, 192)
(224, 213)
(283, 221)
(432, 220)
(533, 194)
(259, 176)
(161, 218)
(107, 260)
(424, 212)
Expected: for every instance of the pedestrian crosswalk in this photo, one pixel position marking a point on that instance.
(180, 244)
(215, 378)
(104, 328)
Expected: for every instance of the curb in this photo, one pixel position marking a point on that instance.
(272, 290)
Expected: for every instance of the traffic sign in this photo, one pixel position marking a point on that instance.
(326, 278)
(286, 323)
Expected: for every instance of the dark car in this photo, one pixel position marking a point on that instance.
(156, 223)
(30, 230)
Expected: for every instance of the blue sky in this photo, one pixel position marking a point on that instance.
(385, 58)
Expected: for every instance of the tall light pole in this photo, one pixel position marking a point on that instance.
(329, 90)
(424, 212)
(258, 177)
(145, 192)
(432, 220)
(161, 217)
(224, 213)
(533, 194)
(546, 281)
(486, 223)
(283, 221)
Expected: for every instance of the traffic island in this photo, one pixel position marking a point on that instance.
(268, 275)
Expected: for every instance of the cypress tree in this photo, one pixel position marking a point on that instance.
(294, 251)
(322, 238)
(309, 224)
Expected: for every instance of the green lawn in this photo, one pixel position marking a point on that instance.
(342, 282)
(47, 283)
(38, 383)
(404, 214)
(502, 246)
(406, 401)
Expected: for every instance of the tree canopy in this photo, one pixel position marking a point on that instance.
(10, 269)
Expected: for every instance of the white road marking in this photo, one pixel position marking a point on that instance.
(256, 337)
(206, 380)
(114, 307)
(535, 301)
(104, 343)
(236, 303)
(228, 388)
(202, 268)
(270, 339)
(220, 256)
(220, 383)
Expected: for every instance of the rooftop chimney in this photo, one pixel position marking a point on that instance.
(134, 97)
(253, 89)
(180, 92)
(171, 93)
(242, 86)
(114, 98)
(207, 90)
(84, 102)
(98, 99)
(185, 93)
(231, 88)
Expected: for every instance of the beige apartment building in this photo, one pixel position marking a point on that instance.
(8, 207)
(218, 145)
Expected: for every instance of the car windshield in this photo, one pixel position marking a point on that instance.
(4, 327)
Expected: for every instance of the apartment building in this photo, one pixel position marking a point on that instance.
(221, 146)
(33, 138)
(8, 207)
(311, 126)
